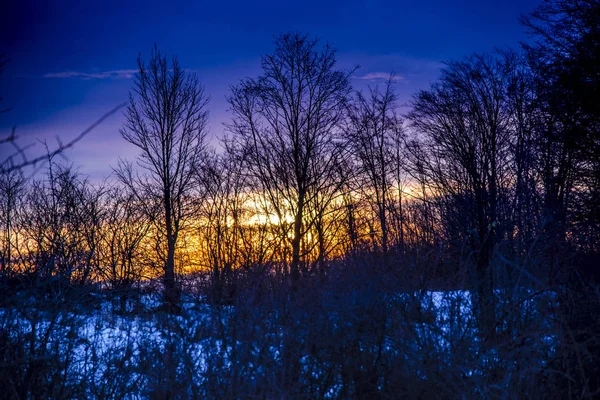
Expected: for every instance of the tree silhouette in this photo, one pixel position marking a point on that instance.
(374, 136)
(285, 124)
(466, 124)
(166, 121)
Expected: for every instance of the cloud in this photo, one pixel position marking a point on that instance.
(379, 75)
(405, 66)
(116, 74)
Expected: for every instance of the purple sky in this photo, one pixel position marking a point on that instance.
(72, 61)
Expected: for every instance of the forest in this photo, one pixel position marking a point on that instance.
(329, 244)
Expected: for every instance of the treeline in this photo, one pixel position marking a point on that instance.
(493, 173)
(490, 183)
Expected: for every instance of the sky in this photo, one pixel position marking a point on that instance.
(72, 61)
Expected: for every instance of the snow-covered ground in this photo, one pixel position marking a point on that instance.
(102, 353)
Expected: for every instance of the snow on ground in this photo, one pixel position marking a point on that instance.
(103, 343)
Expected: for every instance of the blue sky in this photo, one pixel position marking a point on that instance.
(71, 61)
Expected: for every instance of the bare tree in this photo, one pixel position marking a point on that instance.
(465, 121)
(58, 229)
(285, 122)
(125, 226)
(566, 59)
(222, 213)
(374, 136)
(166, 120)
(565, 56)
(12, 189)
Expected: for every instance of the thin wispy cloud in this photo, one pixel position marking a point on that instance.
(115, 74)
(379, 75)
(378, 66)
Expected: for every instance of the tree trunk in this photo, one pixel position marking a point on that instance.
(295, 265)
(384, 227)
(171, 294)
(321, 239)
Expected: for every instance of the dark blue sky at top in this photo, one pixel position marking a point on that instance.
(71, 61)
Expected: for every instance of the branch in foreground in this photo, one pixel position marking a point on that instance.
(9, 165)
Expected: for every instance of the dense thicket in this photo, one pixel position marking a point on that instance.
(329, 247)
